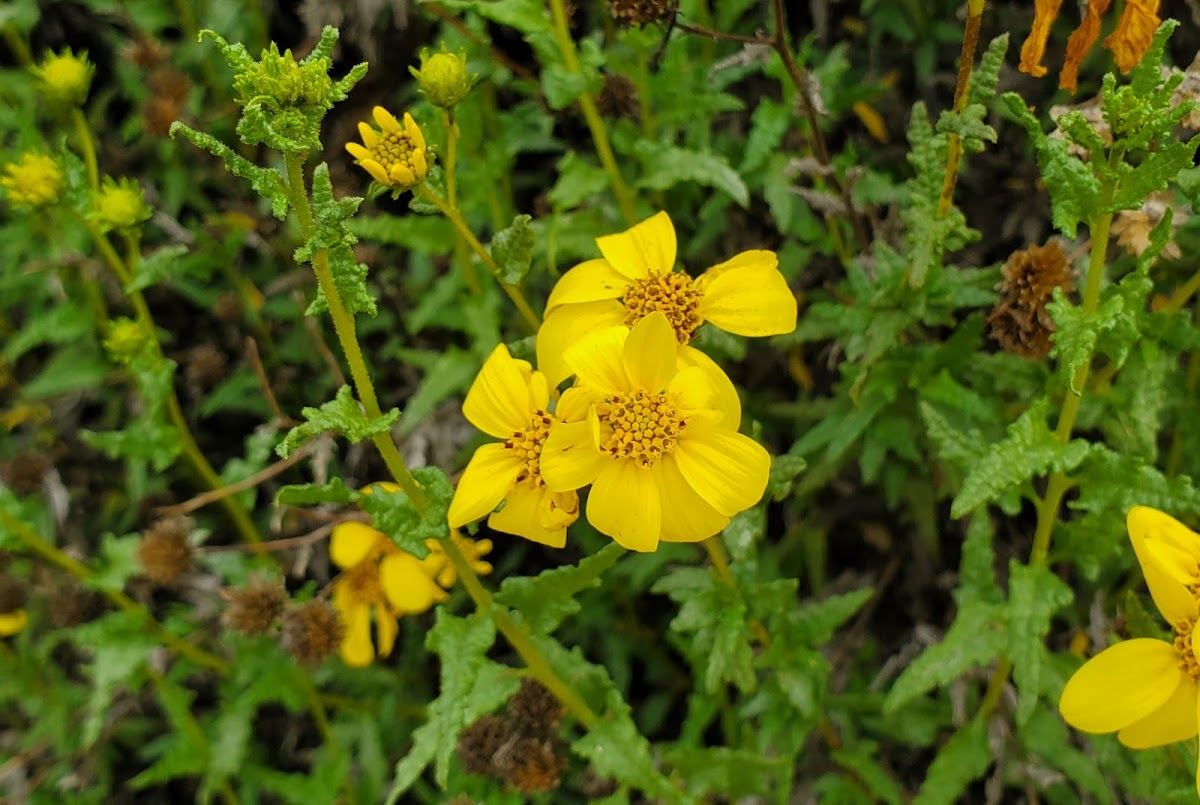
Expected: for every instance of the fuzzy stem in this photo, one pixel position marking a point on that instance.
(87, 146)
(451, 162)
(965, 66)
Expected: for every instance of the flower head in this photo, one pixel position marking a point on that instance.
(745, 295)
(443, 78)
(394, 156)
(119, 205)
(660, 445)
(1020, 322)
(33, 181)
(1143, 689)
(65, 78)
(311, 631)
(511, 401)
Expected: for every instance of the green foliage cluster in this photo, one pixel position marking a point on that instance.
(943, 532)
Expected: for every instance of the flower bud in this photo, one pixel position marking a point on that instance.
(119, 205)
(127, 340)
(443, 78)
(65, 78)
(34, 181)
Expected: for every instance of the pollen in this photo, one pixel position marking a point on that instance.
(1183, 645)
(644, 426)
(673, 295)
(529, 443)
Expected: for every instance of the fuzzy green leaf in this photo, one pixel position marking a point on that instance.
(1035, 594)
(266, 182)
(395, 515)
(1154, 173)
(964, 758)
(714, 614)
(340, 415)
(729, 773)
(512, 249)
(546, 600)
(311, 494)
(664, 166)
(333, 236)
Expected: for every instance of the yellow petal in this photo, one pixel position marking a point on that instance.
(686, 517)
(596, 360)
(625, 504)
(567, 324)
(499, 402)
(649, 354)
(522, 515)
(385, 119)
(1121, 685)
(726, 400)
(747, 295)
(590, 281)
(644, 249)
(1130, 40)
(574, 403)
(420, 164)
(376, 170)
(1175, 720)
(351, 542)
(570, 459)
(358, 151)
(402, 175)
(691, 390)
(406, 584)
(1034, 48)
(386, 629)
(484, 483)
(13, 622)
(415, 135)
(1147, 525)
(727, 469)
(356, 646)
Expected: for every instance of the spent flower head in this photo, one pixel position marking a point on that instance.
(443, 77)
(395, 156)
(64, 78)
(34, 181)
(119, 205)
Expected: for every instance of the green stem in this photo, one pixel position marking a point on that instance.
(17, 45)
(87, 146)
(451, 162)
(460, 225)
(591, 115)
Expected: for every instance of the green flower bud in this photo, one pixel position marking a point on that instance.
(65, 78)
(443, 78)
(119, 205)
(126, 340)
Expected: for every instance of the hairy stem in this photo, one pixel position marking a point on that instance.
(965, 67)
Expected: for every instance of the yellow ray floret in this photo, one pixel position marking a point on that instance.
(395, 155)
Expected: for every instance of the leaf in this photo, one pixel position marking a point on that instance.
(155, 267)
(1029, 450)
(713, 613)
(664, 166)
(333, 237)
(1034, 595)
(512, 249)
(1154, 173)
(964, 758)
(266, 182)
(1044, 735)
(311, 494)
(120, 646)
(815, 622)
(425, 234)
(784, 470)
(452, 373)
(578, 180)
(63, 323)
(407, 525)
(544, 601)
(731, 773)
(1111, 329)
(859, 759)
(340, 415)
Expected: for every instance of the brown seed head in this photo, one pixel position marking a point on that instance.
(1020, 322)
(23, 473)
(164, 552)
(618, 97)
(481, 742)
(535, 710)
(643, 12)
(253, 609)
(12, 594)
(533, 766)
(312, 632)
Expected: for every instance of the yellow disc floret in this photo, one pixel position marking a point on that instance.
(65, 78)
(528, 444)
(33, 181)
(394, 156)
(673, 294)
(644, 426)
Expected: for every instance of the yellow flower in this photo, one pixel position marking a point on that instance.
(659, 445)
(745, 295)
(1143, 689)
(12, 622)
(33, 181)
(65, 78)
(394, 156)
(119, 205)
(381, 581)
(511, 401)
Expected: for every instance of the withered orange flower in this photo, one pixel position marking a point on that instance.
(1044, 13)
(1081, 41)
(1130, 40)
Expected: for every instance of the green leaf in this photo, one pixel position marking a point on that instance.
(1034, 595)
(815, 622)
(664, 166)
(512, 249)
(451, 373)
(964, 758)
(311, 494)
(340, 415)
(425, 234)
(63, 323)
(713, 613)
(859, 759)
(394, 514)
(1045, 736)
(120, 646)
(1111, 329)
(546, 600)
(75, 367)
(333, 237)
(730, 773)
(1154, 173)
(267, 183)
(578, 180)
(155, 267)
(785, 468)
(1029, 450)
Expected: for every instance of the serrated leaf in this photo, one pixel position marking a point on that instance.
(1154, 173)
(546, 600)
(713, 613)
(333, 237)
(63, 323)
(340, 415)
(1034, 595)
(1027, 451)
(964, 758)
(664, 166)
(266, 182)
(859, 759)
(512, 249)
(409, 527)
(155, 267)
(731, 773)
(311, 494)
(1045, 736)
(814, 623)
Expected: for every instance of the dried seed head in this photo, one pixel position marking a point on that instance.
(618, 97)
(13, 594)
(1020, 322)
(204, 365)
(312, 632)
(535, 710)
(73, 605)
(164, 553)
(533, 766)
(643, 12)
(23, 473)
(481, 742)
(253, 609)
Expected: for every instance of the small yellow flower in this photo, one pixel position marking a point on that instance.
(65, 78)
(1143, 689)
(659, 446)
(33, 181)
(443, 78)
(394, 156)
(511, 401)
(13, 622)
(745, 295)
(119, 205)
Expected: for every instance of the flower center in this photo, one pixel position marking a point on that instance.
(393, 148)
(671, 294)
(644, 426)
(363, 582)
(1183, 645)
(529, 443)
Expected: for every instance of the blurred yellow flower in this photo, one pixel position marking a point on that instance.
(65, 78)
(119, 205)
(383, 582)
(12, 622)
(1143, 689)
(745, 295)
(660, 448)
(394, 156)
(511, 401)
(33, 181)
